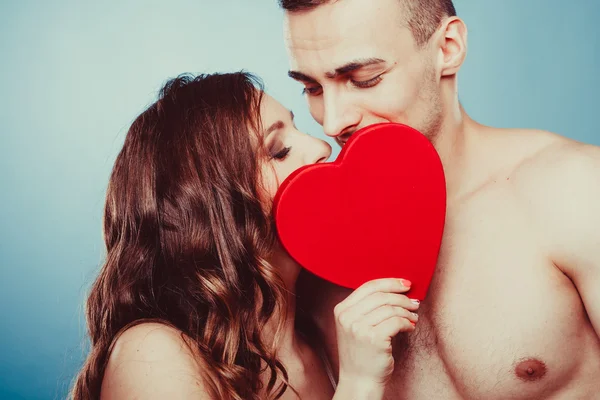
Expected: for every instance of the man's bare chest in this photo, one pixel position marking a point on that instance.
(496, 317)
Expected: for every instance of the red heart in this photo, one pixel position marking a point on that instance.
(377, 211)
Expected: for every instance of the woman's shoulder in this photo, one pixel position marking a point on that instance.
(152, 360)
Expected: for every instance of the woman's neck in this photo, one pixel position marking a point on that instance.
(306, 369)
(285, 340)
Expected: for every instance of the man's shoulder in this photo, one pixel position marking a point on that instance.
(551, 158)
(559, 183)
(549, 172)
(559, 188)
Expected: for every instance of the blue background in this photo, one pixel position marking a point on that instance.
(74, 74)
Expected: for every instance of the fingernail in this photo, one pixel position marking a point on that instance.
(415, 301)
(405, 282)
(416, 316)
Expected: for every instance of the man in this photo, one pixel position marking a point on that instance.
(513, 310)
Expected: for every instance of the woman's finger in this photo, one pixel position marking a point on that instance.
(383, 313)
(391, 285)
(380, 299)
(387, 329)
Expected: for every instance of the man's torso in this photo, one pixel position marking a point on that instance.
(501, 321)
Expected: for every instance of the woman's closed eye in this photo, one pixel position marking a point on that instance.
(281, 154)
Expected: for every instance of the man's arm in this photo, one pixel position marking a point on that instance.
(574, 222)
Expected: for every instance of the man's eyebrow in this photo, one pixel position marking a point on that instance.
(353, 66)
(299, 76)
(344, 69)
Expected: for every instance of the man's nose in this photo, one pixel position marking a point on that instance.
(340, 120)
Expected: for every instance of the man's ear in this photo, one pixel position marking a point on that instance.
(451, 41)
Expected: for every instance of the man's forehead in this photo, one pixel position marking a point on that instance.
(323, 50)
(336, 33)
(341, 18)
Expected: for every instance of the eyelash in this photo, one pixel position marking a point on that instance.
(281, 154)
(368, 83)
(314, 91)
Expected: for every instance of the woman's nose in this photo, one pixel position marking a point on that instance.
(321, 152)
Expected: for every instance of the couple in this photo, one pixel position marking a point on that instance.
(198, 300)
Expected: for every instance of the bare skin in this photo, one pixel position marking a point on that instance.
(155, 361)
(513, 311)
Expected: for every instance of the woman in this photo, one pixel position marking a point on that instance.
(196, 297)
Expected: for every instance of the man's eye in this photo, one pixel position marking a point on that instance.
(312, 91)
(368, 83)
(281, 154)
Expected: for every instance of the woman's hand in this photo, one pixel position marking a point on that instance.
(366, 322)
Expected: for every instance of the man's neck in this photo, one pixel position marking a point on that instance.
(456, 144)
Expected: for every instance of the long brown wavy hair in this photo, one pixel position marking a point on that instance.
(187, 237)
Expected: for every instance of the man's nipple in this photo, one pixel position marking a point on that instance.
(530, 369)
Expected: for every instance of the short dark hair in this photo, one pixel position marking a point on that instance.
(423, 16)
